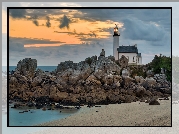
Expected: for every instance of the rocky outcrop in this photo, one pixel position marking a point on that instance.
(92, 81)
(27, 66)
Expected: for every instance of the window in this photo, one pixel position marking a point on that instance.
(138, 60)
(133, 59)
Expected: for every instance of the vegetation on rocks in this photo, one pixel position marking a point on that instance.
(161, 62)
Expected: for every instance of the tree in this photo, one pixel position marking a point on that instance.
(162, 62)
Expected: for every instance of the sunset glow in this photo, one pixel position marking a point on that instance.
(78, 30)
(42, 45)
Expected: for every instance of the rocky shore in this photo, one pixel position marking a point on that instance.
(94, 81)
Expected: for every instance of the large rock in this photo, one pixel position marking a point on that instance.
(125, 72)
(36, 81)
(108, 79)
(27, 66)
(13, 81)
(127, 81)
(140, 92)
(139, 79)
(149, 73)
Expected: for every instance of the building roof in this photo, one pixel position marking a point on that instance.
(127, 49)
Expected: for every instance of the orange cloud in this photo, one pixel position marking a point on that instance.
(26, 29)
(42, 45)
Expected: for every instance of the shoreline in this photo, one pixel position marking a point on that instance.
(124, 114)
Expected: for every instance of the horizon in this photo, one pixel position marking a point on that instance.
(84, 60)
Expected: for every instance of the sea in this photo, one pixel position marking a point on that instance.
(35, 116)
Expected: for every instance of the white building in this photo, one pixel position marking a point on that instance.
(130, 52)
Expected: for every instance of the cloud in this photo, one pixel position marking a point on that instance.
(34, 19)
(35, 22)
(32, 41)
(48, 24)
(138, 30)
(17, 13)
(62, 32)
(64, 22)
(17, 47)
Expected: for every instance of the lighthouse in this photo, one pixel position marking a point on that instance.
(116, 42)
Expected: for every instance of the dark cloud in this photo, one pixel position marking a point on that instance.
(48, 24)
(90, 39)
(83, 35)
(17, 13)
(64, 22)
(36, 22)
(32, 41)
(160, 16)
(62, 32)
(18, 47)
(138, 30)
(34, 19)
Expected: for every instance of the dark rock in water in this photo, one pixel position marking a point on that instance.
(30, 104)
(16, 105)
(44, 109)
(21, 112)
(154, 101)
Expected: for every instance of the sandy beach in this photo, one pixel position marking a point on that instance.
(125, 114)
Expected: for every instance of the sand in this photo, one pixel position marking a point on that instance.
(125, 114)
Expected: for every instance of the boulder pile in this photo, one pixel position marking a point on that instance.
(93, 81)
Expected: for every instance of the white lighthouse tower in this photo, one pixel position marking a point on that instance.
(116, 42)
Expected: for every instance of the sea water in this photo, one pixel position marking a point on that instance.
(35, 116)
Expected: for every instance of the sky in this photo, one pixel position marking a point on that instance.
(56, 35)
